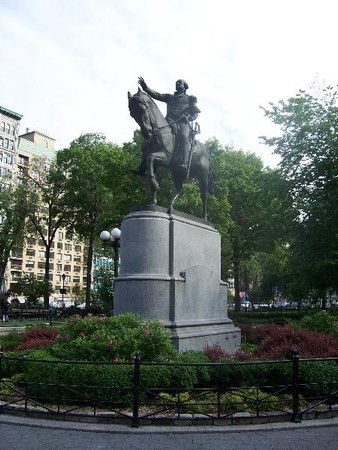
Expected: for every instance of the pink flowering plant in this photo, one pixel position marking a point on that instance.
(119, 338)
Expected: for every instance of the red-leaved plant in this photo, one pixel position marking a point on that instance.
(38, 337)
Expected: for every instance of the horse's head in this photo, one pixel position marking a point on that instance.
(141, 109)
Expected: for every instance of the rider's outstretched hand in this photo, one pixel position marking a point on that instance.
(142, 83)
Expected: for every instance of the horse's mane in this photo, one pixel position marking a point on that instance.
(144, 97)
(140, 94)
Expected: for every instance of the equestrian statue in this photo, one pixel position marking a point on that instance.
(170, 141)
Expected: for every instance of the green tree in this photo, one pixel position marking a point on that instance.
(48, 212)
(105, 289)
(309, 161)
(32, 288)
(14, 207)
(251, 208)
(98, 189)
(237, 178)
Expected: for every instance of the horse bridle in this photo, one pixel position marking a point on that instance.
(148, 114)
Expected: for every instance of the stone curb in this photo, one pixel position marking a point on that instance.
(156, 429)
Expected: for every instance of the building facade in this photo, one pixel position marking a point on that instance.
(32, 152)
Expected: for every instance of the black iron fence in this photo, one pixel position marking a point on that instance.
(131, 398)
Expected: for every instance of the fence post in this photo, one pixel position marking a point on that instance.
(1, 355)
(136, 390)
(296, 417)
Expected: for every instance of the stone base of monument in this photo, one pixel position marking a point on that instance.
(170, 270)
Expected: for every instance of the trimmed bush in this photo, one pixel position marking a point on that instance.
(202, 372)
(317, 375)
(321, 321)
(9, 341)
(104, 339)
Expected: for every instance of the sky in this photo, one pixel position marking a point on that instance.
(67, 65)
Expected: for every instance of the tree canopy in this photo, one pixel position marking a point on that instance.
(308, 146)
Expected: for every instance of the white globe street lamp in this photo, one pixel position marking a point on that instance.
(112, 238)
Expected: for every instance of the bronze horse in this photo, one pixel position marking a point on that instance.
(159, 149)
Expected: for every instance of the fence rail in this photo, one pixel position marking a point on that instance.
(138, 403)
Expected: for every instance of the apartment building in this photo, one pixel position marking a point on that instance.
(9, 131)
(32, 151)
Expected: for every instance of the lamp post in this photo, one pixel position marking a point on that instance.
(112, 238)
(63, 290)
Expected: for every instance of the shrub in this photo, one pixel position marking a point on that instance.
(227, 375)
(188, 403)
(321, 321)
(215, 352)
(37, 337)
(62, 382)
(202, 372)
(317, 375)
(9, 341)
(102, 339)
(248, 400)
(251, 334)
(284, 339)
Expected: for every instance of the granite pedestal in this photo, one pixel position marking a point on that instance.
(170, 270)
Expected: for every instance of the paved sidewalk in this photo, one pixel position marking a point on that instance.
(113, 428)
(36, 434)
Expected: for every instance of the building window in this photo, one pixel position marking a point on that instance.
(59, 267)
(67, 268)
(30, 252)
(6, 158)
(59, 245)
(67, 257)
(77, 269)
(77, 258)
(68, 246)
(78, 248)
(41, 265)
(30, 263)
(60, 234)
(59, 256)
(41, 254)
(23, 160)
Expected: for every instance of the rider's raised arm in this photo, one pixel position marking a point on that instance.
(156, 95)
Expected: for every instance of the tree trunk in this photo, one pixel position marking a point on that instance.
(237, 284)
(47, 265)
(89, 269)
